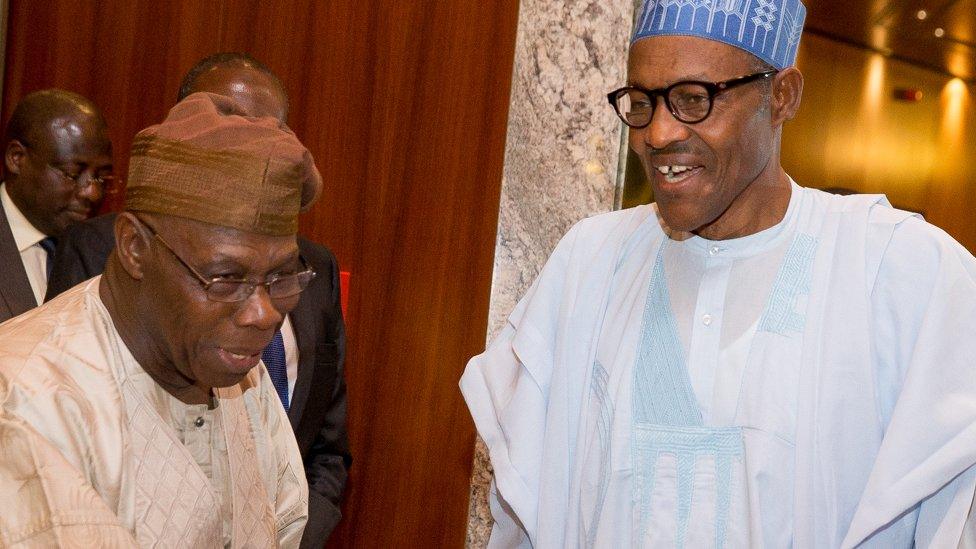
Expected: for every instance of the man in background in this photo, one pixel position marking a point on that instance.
(241, 77)
(305, 358)
(746, 362)
(57, 159)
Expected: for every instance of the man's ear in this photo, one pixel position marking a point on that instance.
(787, 88)
(132, 244)
(14, 156)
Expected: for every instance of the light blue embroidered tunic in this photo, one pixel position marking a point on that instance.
(684, 315)
(662, 390)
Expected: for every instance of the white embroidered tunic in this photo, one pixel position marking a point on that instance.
(663, 390)
(93, 452)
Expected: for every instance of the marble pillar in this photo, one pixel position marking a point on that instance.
(562, 158)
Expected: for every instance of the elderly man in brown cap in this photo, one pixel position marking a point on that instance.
(306, 358)
(132, 411)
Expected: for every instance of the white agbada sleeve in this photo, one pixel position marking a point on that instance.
(46, 501)
(506, 389)
(924, 303)
(525, 390)
(969, 532)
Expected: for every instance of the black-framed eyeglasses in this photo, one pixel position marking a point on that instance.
(690, 101)
(233, 290)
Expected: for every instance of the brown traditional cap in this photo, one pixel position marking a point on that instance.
(209, 162)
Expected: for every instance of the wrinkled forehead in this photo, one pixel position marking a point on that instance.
(662, 60)
(208, 242)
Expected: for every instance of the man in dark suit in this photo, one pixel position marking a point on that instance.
(311, 346)
(57, 156)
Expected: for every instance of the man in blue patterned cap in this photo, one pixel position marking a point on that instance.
(747, 362)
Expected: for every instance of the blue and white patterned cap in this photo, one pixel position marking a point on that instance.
(768, 29)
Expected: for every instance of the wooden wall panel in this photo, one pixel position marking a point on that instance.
(404, 106)
(852, 132)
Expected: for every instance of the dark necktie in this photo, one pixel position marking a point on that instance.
(48, 244)
(274, 359)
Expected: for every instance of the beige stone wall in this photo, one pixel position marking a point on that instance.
(561, 158)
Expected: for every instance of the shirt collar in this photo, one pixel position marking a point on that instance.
(752, 244)
(25, 234)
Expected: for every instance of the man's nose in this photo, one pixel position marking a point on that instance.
(90, 188)
(664, 129)
(259, 311)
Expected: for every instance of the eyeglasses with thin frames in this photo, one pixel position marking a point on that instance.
(690, 101)
(102, 180)
(232, 290)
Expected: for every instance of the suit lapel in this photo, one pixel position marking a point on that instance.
(302, 322)
(16, 295)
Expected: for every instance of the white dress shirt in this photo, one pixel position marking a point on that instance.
(291, 354)
(28, 239)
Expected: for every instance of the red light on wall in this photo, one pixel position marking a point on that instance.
(909, 95)
(344, 292)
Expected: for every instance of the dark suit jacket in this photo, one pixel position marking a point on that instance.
(16, 295)
(318, 406)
